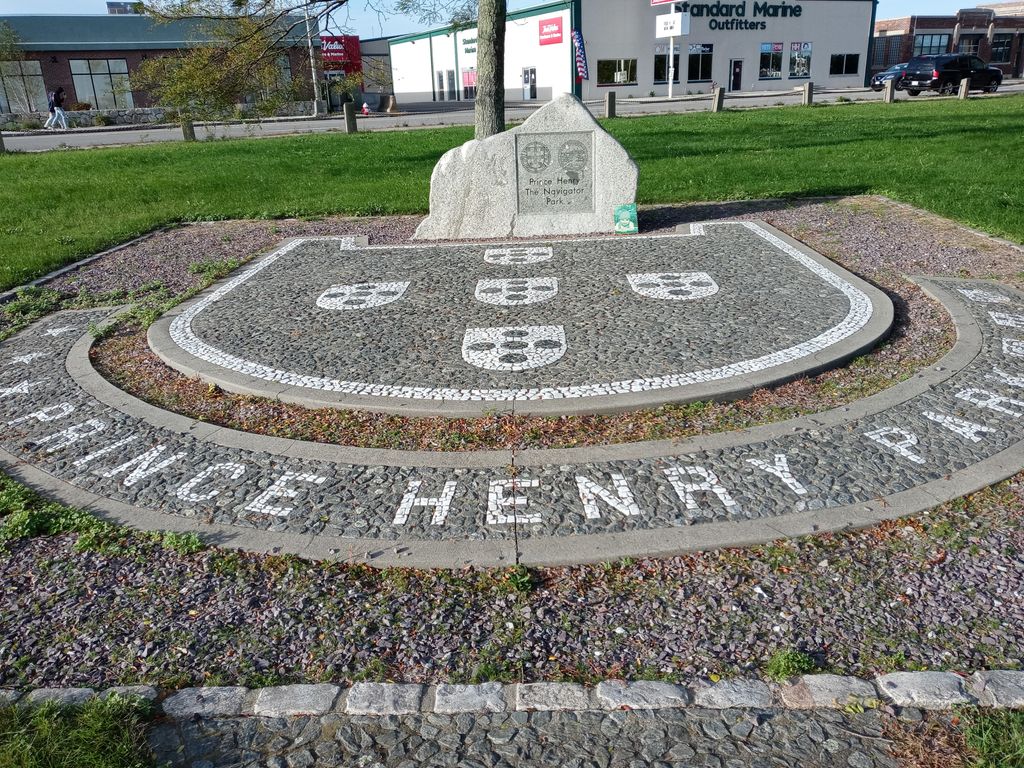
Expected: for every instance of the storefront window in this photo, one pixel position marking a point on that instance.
(799, 60)
(616, 72)
(469, 83)
(969, 44)
(661, 64)
(21, 87)
(771, 61)
(844, 64)
(1001, 45)
(103, 83)
(700, 63)
(930, 45)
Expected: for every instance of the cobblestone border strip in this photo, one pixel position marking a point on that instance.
(1001, 689)
(868, 321)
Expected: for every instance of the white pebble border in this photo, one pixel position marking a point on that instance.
(918, 690)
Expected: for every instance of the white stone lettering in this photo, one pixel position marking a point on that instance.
(1006, 378)
(280, 490)
(440, 504)
(26, 359)
(104, 451)
(907, 440)
(143, 466)
(72, 434)
(619, 497)
(50, 413)
(779, 467)
(992, 401)
(962, 427)
(21, 388)
(984, 297)
(229, 469)
(60, 331)
(1007, 319)
(498, 502)
(1013, 347)
(707, 482)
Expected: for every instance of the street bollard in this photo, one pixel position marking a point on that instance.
(717, 100)
(188, 130)
(349, 109)
(2, 149)
(965, 87)
(889, 92)
(609, 104)
(808, 95)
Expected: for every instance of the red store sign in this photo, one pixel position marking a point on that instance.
(550, 30)
(341, 52)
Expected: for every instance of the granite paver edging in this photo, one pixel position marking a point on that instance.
(938, 691)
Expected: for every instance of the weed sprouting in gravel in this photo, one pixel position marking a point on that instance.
(789, 663)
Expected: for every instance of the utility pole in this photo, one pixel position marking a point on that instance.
(312, 64)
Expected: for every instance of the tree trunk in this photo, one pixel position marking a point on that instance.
(188, 130)
(490, 68)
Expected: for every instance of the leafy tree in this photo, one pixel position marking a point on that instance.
(278, 17)
(210, 79)
(11, 55)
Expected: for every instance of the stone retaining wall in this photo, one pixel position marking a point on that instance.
(137, 116)
(295, 726)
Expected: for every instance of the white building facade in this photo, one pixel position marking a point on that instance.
(750, 45)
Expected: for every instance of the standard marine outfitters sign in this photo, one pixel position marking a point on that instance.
(559, 173)
(555, 172)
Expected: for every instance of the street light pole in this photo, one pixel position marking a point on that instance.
(312, 64)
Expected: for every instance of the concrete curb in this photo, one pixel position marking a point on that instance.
(938, 691)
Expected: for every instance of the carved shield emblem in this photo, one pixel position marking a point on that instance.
(361, 295)
(674, 286)
(515, 348)
(516, 291)
(516, 256)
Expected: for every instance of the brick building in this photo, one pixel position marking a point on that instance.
(93, 58)
(994, 32)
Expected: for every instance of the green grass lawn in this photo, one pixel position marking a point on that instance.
(959, 159)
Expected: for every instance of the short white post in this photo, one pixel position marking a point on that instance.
(717, 99)
(808, 95)
(671, 62)
(965, 87)
(889, 92)
(609, 104)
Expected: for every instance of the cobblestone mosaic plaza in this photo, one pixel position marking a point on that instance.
(561, 324)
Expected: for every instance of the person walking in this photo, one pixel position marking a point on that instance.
(57, 115)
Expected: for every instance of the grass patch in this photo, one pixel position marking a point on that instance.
(103, 733)
(910, 151)
(996, 737)
(789, 663)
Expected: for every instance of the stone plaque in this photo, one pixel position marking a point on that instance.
(555, 172)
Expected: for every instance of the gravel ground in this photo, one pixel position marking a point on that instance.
(940, 592)
(872, 237)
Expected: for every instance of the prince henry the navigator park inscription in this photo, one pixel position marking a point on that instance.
(559, 173)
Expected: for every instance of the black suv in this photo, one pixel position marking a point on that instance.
(943, 74)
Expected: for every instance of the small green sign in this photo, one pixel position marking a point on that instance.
(625, 220)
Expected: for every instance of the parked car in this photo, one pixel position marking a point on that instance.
(943, 73)
(894, 72)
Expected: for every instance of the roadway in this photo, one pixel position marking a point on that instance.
(424, 116)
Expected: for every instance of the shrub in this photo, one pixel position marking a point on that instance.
(785, 664)
(29, 125)
(79, 106)
(103, 120)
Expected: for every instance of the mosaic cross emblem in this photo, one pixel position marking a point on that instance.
(513, 348)
(517, 256)
(673, 286)
(516, 291)
(361, 295)
(535, 157)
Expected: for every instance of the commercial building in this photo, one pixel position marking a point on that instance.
(94, 57)
(994, 32)
(750, 45)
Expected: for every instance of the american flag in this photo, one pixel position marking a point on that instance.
(582, 72)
